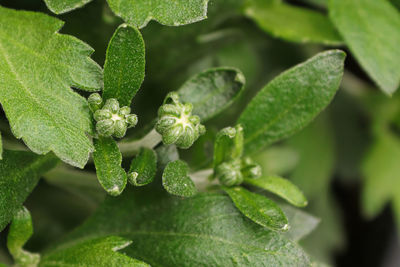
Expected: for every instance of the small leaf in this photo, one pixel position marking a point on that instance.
(204, 230)
(38, 67)
(19, 173)
(228, 145)
(143, 167)
(212, 91)
(371, 30)
(301, 223)
(258, 208)
(139, 12)
(292, 100)
(124, 66)
(281, 187)
(94, 252)
(292, 23)
(63, 6)
(107, 160)
(21, 230)
(176, 180)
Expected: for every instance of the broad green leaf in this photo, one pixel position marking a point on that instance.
(292, 100)
(205, 230)
(37, 68)
(292, 23)
(371, 30)
(95, 252)
(143, 167)
(124, 65)
(301, 223)
(381, 171)
(228, 144)
(176, 180)
(281, 187)
(139, 12)
(212, 91)
(63, 6)
(19, 174)
(21, 230)
(258, 208)
(107, 159)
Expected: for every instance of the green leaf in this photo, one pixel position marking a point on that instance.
(19, 174)
(124, 66)
(95, 252)
(258, 208)
(301, 223)
(143, 167)
(228, 144)
(281, 187)
(21, 230)
(139, 12)
(371, 30)
(381, 171)
(292, 23)
(205, 230)
(37, 68)
(63, 6)
(1, 147)
(176, 180)
(212, 91)
(107, 159)
(292, 100)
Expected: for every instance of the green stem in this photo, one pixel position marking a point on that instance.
(131, 148)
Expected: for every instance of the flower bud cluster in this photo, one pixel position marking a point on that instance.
(234, 172)
(111, 119)
(176, 123)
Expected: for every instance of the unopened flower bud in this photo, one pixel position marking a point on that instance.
(112, 104)
(95, 102)
(131, 120)
(250, 169)
(229, 173)
(176, 123)
(105, 127)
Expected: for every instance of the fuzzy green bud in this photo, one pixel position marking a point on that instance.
(105, 127)
(176, 123)
(131, 120)
(250, 169)
(113, 120)
(229, 173)
(95, 101)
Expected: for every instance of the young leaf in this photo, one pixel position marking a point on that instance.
(176, 180)
(19, 174)
(292, 23)
(258, 208)
(371, 30)
(143, 167)
(228, 144)
(124, 66)
(107, 159)
(139, 12)
(281, 187)
(37, 68)
(95, 252)
(63, 6)
(21, 230)
(301, 223)
(292, 100)
(212, 91)
(205, 230)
